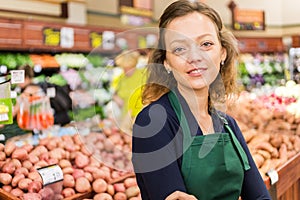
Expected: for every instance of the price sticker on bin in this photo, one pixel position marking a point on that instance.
(51, 174)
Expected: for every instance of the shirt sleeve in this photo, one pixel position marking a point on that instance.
(253, 185)
(156, 155)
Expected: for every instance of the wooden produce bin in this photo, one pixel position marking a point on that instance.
(288, 185)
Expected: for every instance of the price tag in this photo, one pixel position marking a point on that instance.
(95, 39)
(2, 137)
(17, 76)
(273, 176)
(13, 94)
(108, 40)
(6, 111)
(51, 92)
(66, 37)
(4, 117)
(51, 174)
(51, 36)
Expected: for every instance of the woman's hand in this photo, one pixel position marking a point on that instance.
(178, 195)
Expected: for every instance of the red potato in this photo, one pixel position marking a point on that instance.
(86, 151)
(7, 188)
(99, 174)
(52, 144)
(132, 191)
(16, 179)
(135, 198)
(99, 185)
(33, 158)
(28, 147)
(78, 139)
(81, 160)
(17, 163)
(52, 161)
(108, 145)
(128, 182)
(115, 174)
(68, 192)
(27, 164)
(90, 169)
(94, 162)
(47, 193)
(77, 173)
(2, 155)
(38, 150)
(20, 154)
(70, 147)
(24, 183)
(2, 146)
(40, 164)
(2, 164)
(64, 163)
(119, 187)
(9, 167)
(21, 170)
(68, 170)
(89, 176)
(17, 192)
(44, 156)
(68, 181)
(102, 196)
(44, 141)
(31, 196)
(35, 176)
(9, 148)
(110, 189)
(5, 178)
(120, 196)
(35, 186)
(57, 153)
(82, 184)
(73, 155)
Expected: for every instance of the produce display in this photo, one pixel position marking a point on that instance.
(96, 163)
(260, 69)
(271, 131)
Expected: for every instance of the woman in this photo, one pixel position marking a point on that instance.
(184, 147)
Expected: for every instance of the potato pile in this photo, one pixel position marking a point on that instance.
(89, 164)
(272, 133)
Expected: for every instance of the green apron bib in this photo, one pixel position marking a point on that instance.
(212, 165)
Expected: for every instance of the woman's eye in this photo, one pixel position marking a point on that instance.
(206, 45)
(178, 50)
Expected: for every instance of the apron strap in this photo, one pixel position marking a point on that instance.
(187, 138)
(237, 144)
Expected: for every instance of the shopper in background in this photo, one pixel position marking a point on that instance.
(128, 87)
(184, 145)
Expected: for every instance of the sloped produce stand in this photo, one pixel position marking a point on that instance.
(288, 185)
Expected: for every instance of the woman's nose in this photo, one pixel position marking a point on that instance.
(194, 55)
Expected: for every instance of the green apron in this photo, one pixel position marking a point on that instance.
(212, 165)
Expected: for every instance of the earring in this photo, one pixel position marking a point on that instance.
(222, 62)
(168, 70)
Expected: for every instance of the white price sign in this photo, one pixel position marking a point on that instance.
(51, 174)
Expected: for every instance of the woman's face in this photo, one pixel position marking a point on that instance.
(194, 52)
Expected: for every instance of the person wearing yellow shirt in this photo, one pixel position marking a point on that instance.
(128, 87)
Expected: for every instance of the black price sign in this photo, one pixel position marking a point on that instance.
(51, 36)
(96, 39)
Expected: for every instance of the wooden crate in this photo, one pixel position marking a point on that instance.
(288, 185)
